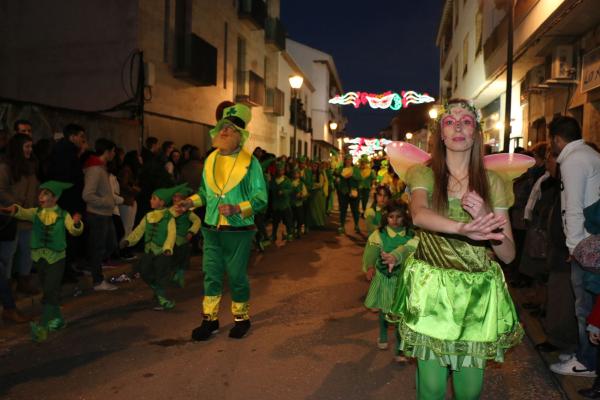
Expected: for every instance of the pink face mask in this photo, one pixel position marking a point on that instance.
(464, 121)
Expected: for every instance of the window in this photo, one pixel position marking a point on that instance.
(455, 74)
(465, 55)
(306, 148)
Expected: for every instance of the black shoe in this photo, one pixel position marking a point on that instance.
(240, 329)
(546, 347)
(205, 330)
(591, 393)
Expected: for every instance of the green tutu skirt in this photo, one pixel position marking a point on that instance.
(460, 318)
(382, 291)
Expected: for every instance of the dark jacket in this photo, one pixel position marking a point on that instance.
(64, 165)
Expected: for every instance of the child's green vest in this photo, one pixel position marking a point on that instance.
(157, 233)
(51, 237)
(183, 223)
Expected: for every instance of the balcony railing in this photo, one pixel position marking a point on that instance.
(275, 102)
(250, 88)
(253, 12)
(275, 34)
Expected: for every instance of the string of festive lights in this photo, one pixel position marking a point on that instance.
(358, 147)
(383, 101)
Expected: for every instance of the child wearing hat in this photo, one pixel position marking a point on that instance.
(281, 189)
(159, 230)
(298, 196)
(48, 245)
(348, 178)
(187, 225)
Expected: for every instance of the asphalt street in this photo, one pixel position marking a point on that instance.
(311, 338)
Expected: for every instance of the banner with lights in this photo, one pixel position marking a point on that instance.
(391, 100)
(358, 147)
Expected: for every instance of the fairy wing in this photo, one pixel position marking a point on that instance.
(404, 155)
(507, 167)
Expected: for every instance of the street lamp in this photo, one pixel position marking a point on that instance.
(296, 83)
(408, 135)
(433, 113)
(332, 126)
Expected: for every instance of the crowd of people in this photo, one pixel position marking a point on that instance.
(439, 233)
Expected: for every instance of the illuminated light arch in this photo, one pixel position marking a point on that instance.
(391, 100)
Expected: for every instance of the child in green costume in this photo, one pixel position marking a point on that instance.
(373, 214)
(298, 196)
(281, 189)
(187, 225)
(159, 230)
(395, 237)
(48, 245)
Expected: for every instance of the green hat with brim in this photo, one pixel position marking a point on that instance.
(166, 194)
(56, 187)
(347, 156)
(238, 115)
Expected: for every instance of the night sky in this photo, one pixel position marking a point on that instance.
(377, 45)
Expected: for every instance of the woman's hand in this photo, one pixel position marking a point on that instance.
(483, 228)
(228, 210)
(76, 219)
(473, 204)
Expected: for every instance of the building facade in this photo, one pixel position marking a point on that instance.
(129, 69)
(553, 53)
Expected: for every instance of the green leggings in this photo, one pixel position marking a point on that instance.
(432, 379)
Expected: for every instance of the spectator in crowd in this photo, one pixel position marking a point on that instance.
(185, 153)
(129, 185)
(116, 233)
(64, 165)
(4, 136)
(23, 126)
(19, 185)
(191, 171)
(580, 178)
(100, 203)
(173, 165)
(43, 150)
(559, 325)
(522, 189)
(166, 149)
(153, 175)
(150, 150)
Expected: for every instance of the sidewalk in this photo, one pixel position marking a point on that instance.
(535, 331)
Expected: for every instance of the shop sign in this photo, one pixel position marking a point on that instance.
(590, 71)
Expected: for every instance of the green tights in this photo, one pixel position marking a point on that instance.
(383, 332)
(432, 379)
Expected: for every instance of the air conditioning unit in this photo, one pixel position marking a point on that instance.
(562, 66)
(534, 79)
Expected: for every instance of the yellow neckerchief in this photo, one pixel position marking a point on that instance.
(296, 182)
(280, 179)
(392, 233)
(155, 216)
(48, 216)
(365, 172)
(235, 176)
(347, 172)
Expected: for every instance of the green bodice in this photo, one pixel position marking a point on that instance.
(52, 237)
(156, 233)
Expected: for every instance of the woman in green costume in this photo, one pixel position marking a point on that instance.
(453, 308)
(393, 236)
(317, 213)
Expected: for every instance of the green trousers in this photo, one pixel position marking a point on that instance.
(227, 252)
(156, 271)
(181, 257)
(50, 279)
(432, 379)
(364, 198)
(345, 200)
